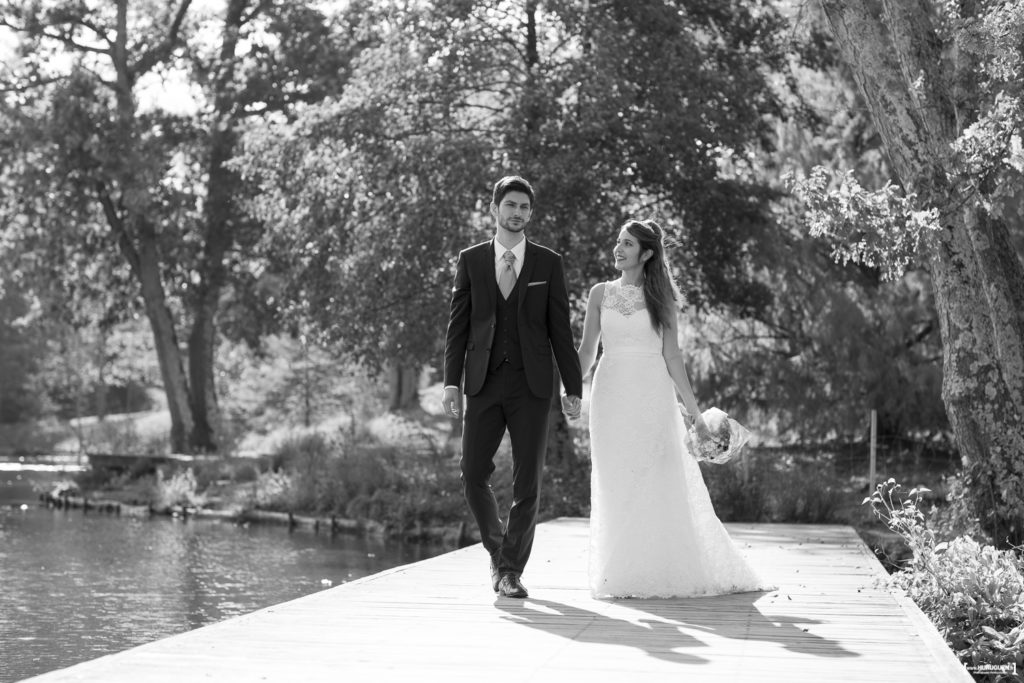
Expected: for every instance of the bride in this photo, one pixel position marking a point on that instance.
(653, 531)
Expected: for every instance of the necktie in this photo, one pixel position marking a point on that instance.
(507, 278)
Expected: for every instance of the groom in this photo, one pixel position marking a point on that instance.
(509, 322)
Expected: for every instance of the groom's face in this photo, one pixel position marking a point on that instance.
(514, 211)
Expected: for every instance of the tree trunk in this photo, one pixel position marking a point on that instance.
(896, 58)
(165, 339)
(220, 224)
(403, 386)
(101, 374)
(978, 390)
(136, 240)
(172, 368)
(202, 341)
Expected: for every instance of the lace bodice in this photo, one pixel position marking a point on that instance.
(626, 299)
(629, 331)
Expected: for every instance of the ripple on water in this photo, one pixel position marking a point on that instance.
(78, 586)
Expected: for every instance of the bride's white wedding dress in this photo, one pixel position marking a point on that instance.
(653, 531)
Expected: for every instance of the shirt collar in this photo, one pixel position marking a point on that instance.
(519, 250)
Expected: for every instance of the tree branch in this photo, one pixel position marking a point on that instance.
(117, 226)
(162, 51)
(66, 38)
(257, 10)
(32, 85)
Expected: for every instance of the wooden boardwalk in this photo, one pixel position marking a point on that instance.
(436, 620)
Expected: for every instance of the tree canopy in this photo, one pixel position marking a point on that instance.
(118, 123)
(612, 109)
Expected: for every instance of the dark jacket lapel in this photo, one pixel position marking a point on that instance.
(491, 278)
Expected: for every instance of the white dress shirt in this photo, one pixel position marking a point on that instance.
(499, 257)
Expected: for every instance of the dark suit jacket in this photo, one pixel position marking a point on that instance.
(543, 319)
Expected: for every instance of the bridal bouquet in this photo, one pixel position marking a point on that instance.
(728, 438)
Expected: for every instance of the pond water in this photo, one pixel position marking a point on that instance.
(75, 586)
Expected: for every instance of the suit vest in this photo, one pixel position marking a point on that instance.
(505, 345)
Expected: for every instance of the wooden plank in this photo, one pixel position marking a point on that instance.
(831, 618)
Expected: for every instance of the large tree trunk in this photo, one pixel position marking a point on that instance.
(981, 378)
(218, 236)
(142, 256)
(165, 338)
(897, 60)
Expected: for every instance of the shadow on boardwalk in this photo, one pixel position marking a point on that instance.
(672, 630)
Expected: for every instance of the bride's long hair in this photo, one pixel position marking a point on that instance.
(660, 291)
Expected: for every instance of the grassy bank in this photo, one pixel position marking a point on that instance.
(305, 436)
(396, 472)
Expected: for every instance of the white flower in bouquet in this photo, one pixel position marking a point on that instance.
(726, 440)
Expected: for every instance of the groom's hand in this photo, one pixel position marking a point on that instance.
(450, 401)
(572, 406)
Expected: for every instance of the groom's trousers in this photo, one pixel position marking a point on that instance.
(505, 402)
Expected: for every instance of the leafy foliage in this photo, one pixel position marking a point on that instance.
(611, 109)
(973, 593)
(120, 190)
(19, 361)
(878, 229)
(836, 339)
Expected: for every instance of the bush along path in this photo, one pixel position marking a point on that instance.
(972, 591)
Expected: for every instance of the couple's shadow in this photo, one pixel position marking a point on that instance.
(670, 629)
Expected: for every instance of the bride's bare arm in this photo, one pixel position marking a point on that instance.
(591, 329)
(677, 370)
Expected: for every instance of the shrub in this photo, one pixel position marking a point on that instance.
(804, 497)
(179, 489)
(565, 491)
(956, 516)
(271, 490)
(736, 500)
(401, 487)
(973, 593)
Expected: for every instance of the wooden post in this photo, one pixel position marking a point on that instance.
(872, 467)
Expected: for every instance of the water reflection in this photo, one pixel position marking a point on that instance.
(75, 586)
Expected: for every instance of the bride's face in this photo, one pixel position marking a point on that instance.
(627, 253)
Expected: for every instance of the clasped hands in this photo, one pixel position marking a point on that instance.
(572, 406)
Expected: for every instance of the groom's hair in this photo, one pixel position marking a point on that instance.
(511, 183)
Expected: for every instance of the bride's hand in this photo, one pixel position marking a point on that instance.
(701, 428)
(571, 406)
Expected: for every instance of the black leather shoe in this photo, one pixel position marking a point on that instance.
(511, 587)
(495, 576)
